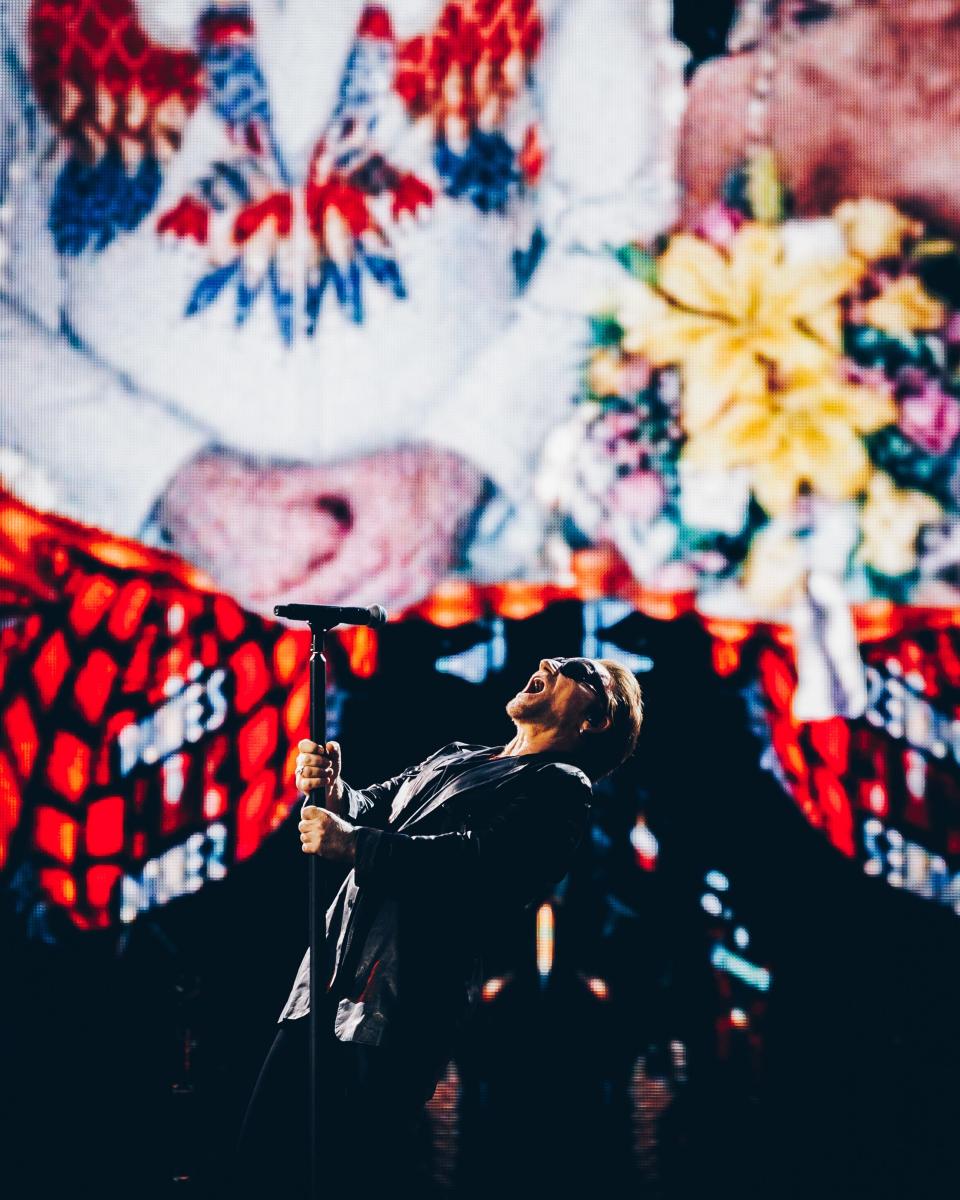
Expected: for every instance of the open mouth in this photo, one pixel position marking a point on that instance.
(535, 685)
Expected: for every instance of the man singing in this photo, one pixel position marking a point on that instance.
(438, 856)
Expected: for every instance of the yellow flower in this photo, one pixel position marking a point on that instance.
(903, 308)
(890, 522)
(728, 319)
(873, 228)
(604, 375)
(803, 436)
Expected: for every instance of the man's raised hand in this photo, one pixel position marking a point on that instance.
(318, 769)
(325, 834)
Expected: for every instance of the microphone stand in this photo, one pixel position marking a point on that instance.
(318, 734)
(321, 620)
(315, 902)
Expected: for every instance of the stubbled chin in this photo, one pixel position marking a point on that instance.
(523, 702)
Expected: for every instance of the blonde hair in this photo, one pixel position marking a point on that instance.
(625, 708)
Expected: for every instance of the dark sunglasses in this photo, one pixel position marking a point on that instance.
(582, 670)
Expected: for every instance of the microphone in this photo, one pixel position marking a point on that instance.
(328, 615)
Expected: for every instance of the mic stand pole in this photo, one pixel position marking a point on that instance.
(321, 620)
(318, 734)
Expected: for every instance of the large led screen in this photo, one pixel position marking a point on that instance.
(485, 311)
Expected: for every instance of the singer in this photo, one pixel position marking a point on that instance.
(437, 858)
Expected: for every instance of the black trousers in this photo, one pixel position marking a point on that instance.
(373, 1131)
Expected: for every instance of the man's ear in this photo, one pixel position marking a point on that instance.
(596, 723)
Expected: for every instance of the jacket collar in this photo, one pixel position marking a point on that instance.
(486, 771)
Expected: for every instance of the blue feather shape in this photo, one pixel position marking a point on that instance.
(92, 204)
(525, 262)
(387, 273)
(234, 178)
(282, 303)
(210, 287)
(239, 94)
(238, 90)
(316, 286)
(339, 284)
(485, 173)
(378, 266)
(142, 192)
(355, 292)
(69, 220)
(111, 193)
(246, 297)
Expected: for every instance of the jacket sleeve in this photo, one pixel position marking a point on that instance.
(513, 858)
(371, 805)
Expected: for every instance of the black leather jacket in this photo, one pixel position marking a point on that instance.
(443, 850)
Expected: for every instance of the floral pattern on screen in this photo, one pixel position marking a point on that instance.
(121, 102)
(765, 399)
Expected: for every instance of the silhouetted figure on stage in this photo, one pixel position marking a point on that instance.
(438, 857)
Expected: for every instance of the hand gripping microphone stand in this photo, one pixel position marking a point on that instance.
(321, 619)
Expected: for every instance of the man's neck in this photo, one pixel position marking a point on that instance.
(533, 739)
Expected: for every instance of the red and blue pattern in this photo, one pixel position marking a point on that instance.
(252, 186)
(236, 87)
(121, 102)
(463, 78)
(252, 201)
